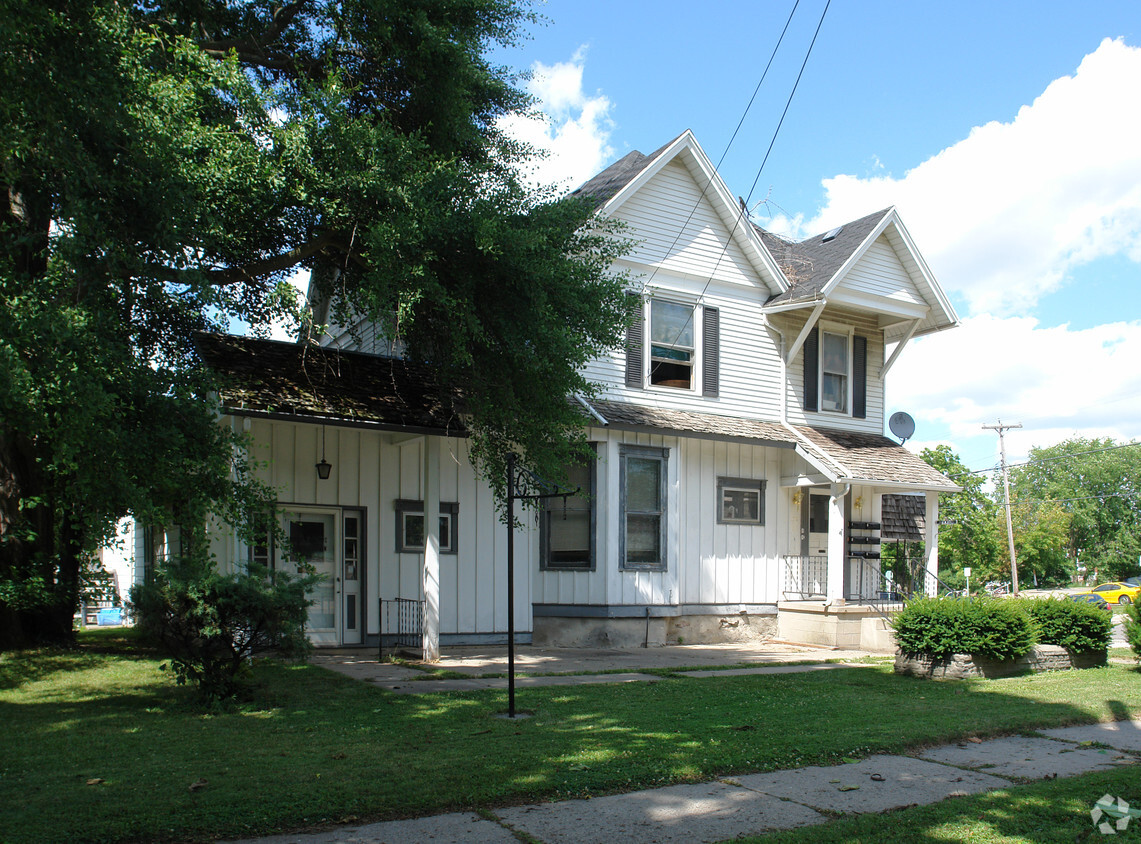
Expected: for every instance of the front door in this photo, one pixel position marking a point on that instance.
(313, 542)
(818, 524)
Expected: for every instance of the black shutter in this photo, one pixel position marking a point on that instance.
(811, 352)
(634, 376)
(860, 377)
(710, 351)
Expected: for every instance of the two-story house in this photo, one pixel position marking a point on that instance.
(740, 455)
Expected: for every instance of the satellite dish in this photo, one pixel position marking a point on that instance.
(902, 425)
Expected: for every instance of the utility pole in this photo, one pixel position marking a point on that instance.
(1006, 486)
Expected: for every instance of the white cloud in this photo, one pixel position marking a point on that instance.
(1058, 382)
(573, 127)
(1004, 214)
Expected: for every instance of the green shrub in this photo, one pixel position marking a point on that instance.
(987, 627)
(1133, 628)
(211, 625)
(1076, 627)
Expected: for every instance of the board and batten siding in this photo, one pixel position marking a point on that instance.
(707, 563)
(372, 470)
(880, 273)
(864, 324)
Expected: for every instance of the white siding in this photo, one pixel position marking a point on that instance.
(657, 214)
(880, 273)
(865, 325)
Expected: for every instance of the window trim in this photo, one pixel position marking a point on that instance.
(409, 507)
(663, 456)
(756, 485)
(837, 331)
(552, 507)
(696, 357)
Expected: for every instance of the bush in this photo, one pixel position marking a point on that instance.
(211, 625)
(1133, 628)
(1076, 627)
(987, 627)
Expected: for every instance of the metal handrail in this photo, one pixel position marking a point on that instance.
(402, 622)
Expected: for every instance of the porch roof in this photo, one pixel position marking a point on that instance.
(294, 381)
(635, 417)
(851, 457)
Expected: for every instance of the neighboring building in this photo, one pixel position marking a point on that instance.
(740, 457)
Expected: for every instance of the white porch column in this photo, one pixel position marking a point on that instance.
(837, 552)
(931, 542)
(431, 487)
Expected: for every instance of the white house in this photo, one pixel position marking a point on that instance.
(740, 448)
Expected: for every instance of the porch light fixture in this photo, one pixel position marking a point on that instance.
(324, 467)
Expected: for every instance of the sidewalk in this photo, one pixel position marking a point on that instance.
(721, 809)
(758, 803)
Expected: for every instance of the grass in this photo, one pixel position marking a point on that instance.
(1045, 811)
(99, 745)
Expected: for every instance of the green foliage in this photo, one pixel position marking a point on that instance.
(997, 629)
(211, 624)
(1098, 482)
(1075, 626)
(969, 536)
(166, 166)
(1132, 618)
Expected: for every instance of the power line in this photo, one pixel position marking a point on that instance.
(741, 213)
(1046, 459)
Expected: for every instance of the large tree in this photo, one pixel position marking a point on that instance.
(167, 163)
(1097, 482)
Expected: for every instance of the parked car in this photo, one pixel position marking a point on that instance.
(1117, 592)
(1090, 598)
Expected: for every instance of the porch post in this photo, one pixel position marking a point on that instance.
(837, 551)
(431, 487)
(931, 542)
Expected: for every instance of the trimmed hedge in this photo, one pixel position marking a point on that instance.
(1133, 628)
(987, 627)
(1075, 627)
(999, 628)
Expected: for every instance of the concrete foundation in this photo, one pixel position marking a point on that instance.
(963, 666)
(841, 626)
(653, 632)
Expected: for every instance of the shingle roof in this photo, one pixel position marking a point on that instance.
(606, 185)
(810, 264)
(687, 423)
(903, 517)
(288, 379)
(874, 459)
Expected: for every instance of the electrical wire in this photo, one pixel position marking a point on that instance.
(1045, 459)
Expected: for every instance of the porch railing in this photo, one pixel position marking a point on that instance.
(402, 623)
(805, 578)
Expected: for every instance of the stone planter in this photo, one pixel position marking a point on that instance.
(962, 666)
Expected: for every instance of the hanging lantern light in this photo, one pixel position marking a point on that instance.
(324, 467)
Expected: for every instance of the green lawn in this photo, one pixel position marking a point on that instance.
(99, 745)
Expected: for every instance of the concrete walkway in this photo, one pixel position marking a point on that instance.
(759, 803)
(722, 809)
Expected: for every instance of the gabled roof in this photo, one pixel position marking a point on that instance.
(815, 270)
(611, 188)
(314, 384)
(810, 264)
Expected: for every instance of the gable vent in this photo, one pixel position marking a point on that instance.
(832, 234)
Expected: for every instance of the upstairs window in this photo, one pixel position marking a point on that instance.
(681, 356)
(671, 344)
(834, 372)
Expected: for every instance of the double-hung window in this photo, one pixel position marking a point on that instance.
(566, 534)
(642, 544)
(834, 369)
(672, 349)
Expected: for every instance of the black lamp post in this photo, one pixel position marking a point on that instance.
(324, 467)
(524, 485)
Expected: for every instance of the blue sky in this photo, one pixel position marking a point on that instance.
(1008, 135)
